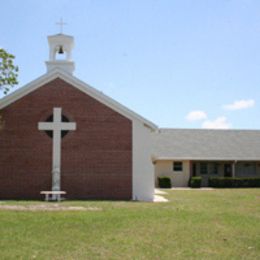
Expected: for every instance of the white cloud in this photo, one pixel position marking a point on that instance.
(240, 104)
(219, 123)
(196, 115)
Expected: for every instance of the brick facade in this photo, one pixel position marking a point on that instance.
(96, 158)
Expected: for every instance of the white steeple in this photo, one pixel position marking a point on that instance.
(60, 46)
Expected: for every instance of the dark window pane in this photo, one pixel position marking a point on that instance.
(203, 168)
(63, 119)
(177, 166)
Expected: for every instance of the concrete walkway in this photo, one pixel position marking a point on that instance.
(188, 188)
(158, 196)
(159, 192)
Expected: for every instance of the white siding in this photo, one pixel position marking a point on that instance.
(143, 172)
(178, 179)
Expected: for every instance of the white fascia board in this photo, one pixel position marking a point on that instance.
(82, 86)
(156, 159)
(28, 88)
(100, 96)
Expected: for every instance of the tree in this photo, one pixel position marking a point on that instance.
(8, 75)
(8, 71)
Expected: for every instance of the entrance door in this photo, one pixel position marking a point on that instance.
(227, 170)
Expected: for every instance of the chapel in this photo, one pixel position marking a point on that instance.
(59, 133)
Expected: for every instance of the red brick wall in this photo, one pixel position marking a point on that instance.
(96, 158)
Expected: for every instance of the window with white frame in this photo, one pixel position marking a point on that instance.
(177, 166)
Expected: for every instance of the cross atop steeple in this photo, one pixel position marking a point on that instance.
(61, 24)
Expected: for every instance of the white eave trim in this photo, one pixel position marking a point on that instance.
(82, 86)
(155, 159)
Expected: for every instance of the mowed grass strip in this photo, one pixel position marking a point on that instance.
(218, 224)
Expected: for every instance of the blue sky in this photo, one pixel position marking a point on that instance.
(185, 64)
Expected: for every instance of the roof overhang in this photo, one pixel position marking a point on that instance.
(155, 159)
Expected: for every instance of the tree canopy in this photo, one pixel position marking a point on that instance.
(8, 71)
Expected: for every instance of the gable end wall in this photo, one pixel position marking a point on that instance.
(96, 158)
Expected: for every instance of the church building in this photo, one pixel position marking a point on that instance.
(59, 133)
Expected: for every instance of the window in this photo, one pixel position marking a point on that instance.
(63, 132)
(177, 166)
(203, 168)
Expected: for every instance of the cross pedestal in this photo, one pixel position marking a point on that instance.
(56, 126)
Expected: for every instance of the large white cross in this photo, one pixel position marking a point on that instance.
(56, 126)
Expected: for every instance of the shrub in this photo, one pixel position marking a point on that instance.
(229, 182)
(164, 182)
(195, 182)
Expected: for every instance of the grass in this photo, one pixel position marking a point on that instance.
(218, 224)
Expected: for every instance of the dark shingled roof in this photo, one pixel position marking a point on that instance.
(205, 144)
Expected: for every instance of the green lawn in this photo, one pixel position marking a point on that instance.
(218, 224)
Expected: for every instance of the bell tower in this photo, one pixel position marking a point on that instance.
(60, 46)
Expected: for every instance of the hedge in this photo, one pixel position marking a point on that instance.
(164, 182)
(228, 182)
(195, 182)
